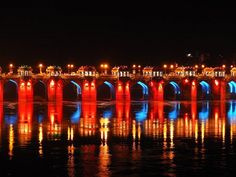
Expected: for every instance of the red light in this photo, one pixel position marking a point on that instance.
(193, 83)
(86, 84)
(186, 80)
(216, 82)
(22, 84)
(28, 84)
(92, 84)
(151, 83)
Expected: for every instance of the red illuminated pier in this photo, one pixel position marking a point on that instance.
(121, 83)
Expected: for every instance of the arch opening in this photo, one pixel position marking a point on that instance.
(203, 90)
(172, 91)
(10, 92)
(72, 91)
(40, 91)
(231, 89)
(106, 91)
(139, 91)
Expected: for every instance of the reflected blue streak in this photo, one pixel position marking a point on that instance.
(175, 112)
(76, 115)
(143, 113)
(204, 113)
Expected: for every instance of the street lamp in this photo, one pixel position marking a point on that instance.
(11, 68)
(165, 66)
(40, 68)
(104, 68)
(70, 67)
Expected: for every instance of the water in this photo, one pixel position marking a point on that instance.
(118, 139)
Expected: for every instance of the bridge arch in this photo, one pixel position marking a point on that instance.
(10, 91)
(40, 90)
(139, 91)
(105, 91)
(204, 90)
(72, 91)
(231, 89)
(172, 91)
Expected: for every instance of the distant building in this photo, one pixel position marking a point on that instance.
(87, 71)
(25, 71)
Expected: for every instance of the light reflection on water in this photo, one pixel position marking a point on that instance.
(116, 139)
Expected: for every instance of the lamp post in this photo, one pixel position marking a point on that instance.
(104, 68)
(165, 66)
(11, 68)
(40, 68)
(70, 68)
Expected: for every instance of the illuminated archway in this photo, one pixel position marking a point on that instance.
(172, 91)
(40, 91)
(203, 90)
(106, 91)
(232, 89)
(71, 91)
(10, 92)
(139, 91)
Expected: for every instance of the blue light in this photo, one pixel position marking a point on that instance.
(232, 87)
(13, 82)
(110, 86)
(175, 112)
(232, 110)
(142, 114)
(10, 118)
(176, 87)
(204, 113)
(107, 113)
(77, 86)
(76, 115)
(40, 118)
(144, 86)
(205, 87)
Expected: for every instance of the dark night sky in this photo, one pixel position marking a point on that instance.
(57, 36)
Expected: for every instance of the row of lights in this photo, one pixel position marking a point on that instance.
(106, 66)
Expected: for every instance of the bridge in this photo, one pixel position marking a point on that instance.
(122, 84)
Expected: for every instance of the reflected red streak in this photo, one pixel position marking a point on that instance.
(25, 112)
(194, 109)
(1, 91)
(89, 117)
(122, 91)
(157, 90)
(55, 112)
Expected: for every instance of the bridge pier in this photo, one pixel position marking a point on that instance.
(123, 91)
(89, 90)
(157, 90)
(55, 91)
(218, 89)
(25, 90)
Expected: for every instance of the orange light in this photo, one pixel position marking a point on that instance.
(216, 82)
(52, 83)
(223, 66)
(22, 84)
(28, 84)
(165, 66)
(193, 83)
(186, 80)
(40, 65)
(68, 65)
(231, 66)
(134, 66)
(92, 84)
(11, 65)
(196, 66)
(203, 66)
(139, 66)
(86, 84)
(71, 66)
(171, 66)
